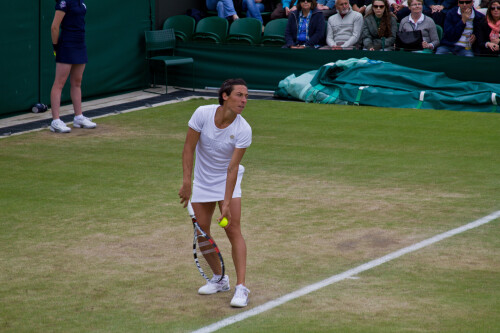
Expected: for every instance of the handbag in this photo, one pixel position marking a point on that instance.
(409, 40)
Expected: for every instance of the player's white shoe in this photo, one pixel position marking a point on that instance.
(83, 122)
(58, 126)
(213, 287)
(240, 298)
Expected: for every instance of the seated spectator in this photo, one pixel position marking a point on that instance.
(360, 6)
(379, 28)
(399, 8)
(283, 9)
(437, 9)
(327, 7)
(224, 8)
(488, 31)
(253, 8)
(418, 21)
(481, 6)
(458, 37)
(344, 28)
(306, 26)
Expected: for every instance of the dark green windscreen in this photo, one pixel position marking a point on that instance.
(115, 47)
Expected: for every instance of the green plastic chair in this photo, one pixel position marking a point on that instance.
(439, 31)
(274, 33)
(245, 31)
(161, 41)
(183, 26)
(211, 29)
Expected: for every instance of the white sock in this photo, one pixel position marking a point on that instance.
(216, 277)
(79, 117)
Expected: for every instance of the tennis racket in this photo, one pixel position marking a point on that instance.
(207, 256)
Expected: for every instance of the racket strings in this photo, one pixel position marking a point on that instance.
(208, 258)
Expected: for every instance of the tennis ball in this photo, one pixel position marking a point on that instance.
(223, 222)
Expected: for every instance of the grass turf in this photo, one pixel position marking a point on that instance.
(93, 238)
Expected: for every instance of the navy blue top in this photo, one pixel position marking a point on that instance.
(73, 23)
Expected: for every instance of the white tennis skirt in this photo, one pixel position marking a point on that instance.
(215, 191)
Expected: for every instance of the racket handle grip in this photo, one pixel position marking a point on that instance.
(190, 209)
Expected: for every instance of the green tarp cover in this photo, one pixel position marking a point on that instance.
(377, 83)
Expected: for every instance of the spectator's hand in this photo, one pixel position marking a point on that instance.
(337, 47)
(495, 40)
(426, 45)
(492, 46)
(472, 39)
(293, 8)
(298, 47)
(466, 15)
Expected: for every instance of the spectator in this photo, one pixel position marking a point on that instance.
(344, 28)
(399, 8)
(418, 21)
(224, 8)
(379, 28)
(306, 26)
(283, 9)
(458, 37)
(327, 7)
(253, 8)
(360, 6)
(437, 9)
(481, 6)
(488, 30)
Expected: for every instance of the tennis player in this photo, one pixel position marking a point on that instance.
(220, 136)
(68, 40)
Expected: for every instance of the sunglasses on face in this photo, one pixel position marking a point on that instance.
(495, 8)
(464, 2)
(378, 6)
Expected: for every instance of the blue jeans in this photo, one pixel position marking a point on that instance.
(456, 50)
(253, 9)
(224, 8)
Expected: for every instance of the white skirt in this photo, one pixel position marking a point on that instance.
(215, 192)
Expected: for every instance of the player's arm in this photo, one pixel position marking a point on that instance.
(54, 29)
(232, 176)
(192, 138)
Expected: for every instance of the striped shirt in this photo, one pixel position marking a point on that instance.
(464, 39)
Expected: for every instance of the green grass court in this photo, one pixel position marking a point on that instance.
(93, 239)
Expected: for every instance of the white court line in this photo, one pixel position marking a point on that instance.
(339, 277)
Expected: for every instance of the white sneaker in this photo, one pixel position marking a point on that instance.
(83, 122)
(58, 126)
(213, 287)
(240, 298)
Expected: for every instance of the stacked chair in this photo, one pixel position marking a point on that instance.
(245, 31)
(183, 26)
(274, 33)
(212, 29)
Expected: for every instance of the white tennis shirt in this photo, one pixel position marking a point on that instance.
(213, 153)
